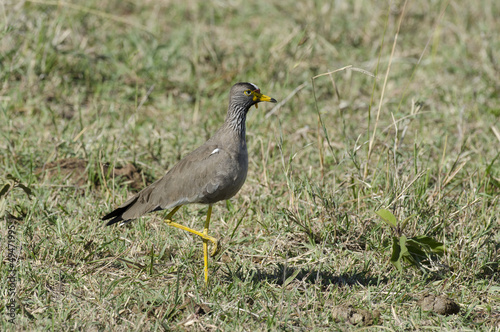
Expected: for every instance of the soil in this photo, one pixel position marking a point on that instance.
(74, 171)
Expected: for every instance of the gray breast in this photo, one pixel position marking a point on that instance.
(229, 178)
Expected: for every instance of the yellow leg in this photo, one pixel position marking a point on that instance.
(205, 243)
(214, 241)
(203, 235)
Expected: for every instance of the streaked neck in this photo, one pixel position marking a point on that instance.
(235, 120)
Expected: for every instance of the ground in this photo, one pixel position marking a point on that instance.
(383, 106)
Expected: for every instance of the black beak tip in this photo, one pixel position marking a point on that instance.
(273, 100)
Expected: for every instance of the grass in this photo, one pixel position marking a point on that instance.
(119, 82)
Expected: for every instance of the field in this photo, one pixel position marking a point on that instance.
(390, 107)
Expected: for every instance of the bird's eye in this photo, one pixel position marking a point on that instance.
(248, 92)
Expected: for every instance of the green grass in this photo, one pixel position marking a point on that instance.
(119, 82)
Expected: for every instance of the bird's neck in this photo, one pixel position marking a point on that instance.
(235, 120)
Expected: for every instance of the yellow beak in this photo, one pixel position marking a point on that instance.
(258, 97)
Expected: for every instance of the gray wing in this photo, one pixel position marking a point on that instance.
(195, 179)
(200, 177)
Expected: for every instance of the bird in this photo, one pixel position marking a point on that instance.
(213, 172)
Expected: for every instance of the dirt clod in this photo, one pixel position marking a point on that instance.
(351, 315)
(442, 305)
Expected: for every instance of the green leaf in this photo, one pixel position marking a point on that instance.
(388, 217)
(416, 254)
(430, 243)
(408, 249)
(402, 244)
(396, 251)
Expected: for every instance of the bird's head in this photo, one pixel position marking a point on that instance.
(247, 95)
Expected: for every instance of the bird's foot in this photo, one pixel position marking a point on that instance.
(215, 247)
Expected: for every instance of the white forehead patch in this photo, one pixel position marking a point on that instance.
(255, 86)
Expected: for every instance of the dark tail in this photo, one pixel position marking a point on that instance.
(117, 214)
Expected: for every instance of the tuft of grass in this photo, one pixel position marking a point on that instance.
(109, 85)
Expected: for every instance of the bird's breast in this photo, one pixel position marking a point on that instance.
(232, 168)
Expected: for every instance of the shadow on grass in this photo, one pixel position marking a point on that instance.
(281, 274)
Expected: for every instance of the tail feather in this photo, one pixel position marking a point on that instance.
(117, 214)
